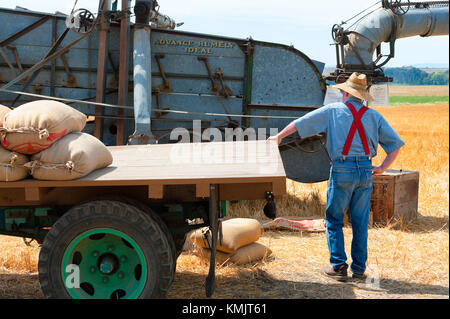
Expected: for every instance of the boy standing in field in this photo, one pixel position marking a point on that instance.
(353, 134)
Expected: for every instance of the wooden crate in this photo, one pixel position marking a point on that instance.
(395, 197)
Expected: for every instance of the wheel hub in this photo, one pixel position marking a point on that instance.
(108, 264)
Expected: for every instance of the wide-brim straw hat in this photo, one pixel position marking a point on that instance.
(357, 86)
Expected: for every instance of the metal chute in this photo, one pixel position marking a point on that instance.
(393, 20)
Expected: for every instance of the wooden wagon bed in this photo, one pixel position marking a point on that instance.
(184, 172)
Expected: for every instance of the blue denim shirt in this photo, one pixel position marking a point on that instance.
(336, 119)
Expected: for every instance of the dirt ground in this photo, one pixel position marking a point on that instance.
(292, 272)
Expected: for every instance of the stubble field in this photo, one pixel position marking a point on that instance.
(405, 261)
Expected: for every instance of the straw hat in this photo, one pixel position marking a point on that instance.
(357, 86)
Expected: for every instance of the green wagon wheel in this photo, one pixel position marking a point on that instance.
(106, 249)
(104, 264)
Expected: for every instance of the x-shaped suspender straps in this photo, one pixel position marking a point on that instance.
(356, 125)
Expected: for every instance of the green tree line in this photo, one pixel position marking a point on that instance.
(414, 76)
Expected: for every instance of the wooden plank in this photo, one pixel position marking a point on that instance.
(154, 164)
(69, 196)
(243, 176)
(407, 188)
(406, 211)
(250, 191)
(33, 194)
(156, 191)
(279, 187)
(247, 191)
(202, 190)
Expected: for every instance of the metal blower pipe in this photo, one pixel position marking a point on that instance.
(383, 26)
(142, 75)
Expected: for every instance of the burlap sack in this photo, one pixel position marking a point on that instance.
(73, 156)
(205, 255)
(3, 111)
(237, 233)
(12, 166)
(35, 126)
(244, 255)
(250, 253)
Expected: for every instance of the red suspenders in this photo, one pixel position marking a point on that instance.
(357, 125)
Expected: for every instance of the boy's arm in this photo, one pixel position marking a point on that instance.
(288, 130)
(308, 125)
(388, 161)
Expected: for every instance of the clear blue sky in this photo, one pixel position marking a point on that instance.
(305, 24)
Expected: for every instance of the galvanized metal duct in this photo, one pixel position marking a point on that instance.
(385, 26)
(142, 75)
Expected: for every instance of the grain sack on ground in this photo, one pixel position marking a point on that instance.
(12, 166)
(244, 255)
(71, 157)
(205, 255)
(3, 111)
(35, 126)
(237, 233)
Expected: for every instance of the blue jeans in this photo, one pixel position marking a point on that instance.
(350, 186)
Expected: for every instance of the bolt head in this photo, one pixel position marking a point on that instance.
(93, 269)
(123, 259)
(95, 254)
(105, 280)
(111, 248)
(121, 275)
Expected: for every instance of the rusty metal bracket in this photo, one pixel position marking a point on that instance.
(166, 87)
(215, 86)
(43, 62)
(11, 67)
(36, 73)
(13, 48)
(71, 79)
(115, 80)
(248, 47)
(124, 58)
(225, 91)
(159, 112)
(24, 31)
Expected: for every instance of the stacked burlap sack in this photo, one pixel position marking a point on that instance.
(44, 139)
(239, 242)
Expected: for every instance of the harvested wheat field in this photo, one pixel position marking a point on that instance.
(405, 261)
(418, 90)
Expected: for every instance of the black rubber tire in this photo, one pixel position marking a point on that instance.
(117, 215)
(151, 214)
(179, 240)
(161, 224)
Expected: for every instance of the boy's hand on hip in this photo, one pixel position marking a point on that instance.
(378, 170)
